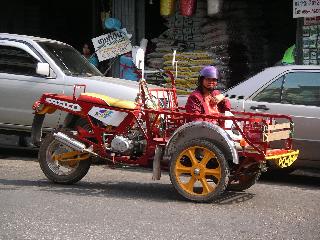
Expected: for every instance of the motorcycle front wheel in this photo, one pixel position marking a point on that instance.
(60, 163)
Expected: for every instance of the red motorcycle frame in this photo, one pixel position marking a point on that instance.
(153, 132)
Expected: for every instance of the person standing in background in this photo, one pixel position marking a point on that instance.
(92, 58)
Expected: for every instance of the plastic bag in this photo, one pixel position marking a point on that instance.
(187, 7)
(214, 7)
(167, 7)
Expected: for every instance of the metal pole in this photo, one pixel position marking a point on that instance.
(93, 19)
(299, 42)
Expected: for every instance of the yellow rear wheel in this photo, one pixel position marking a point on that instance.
(199, 171)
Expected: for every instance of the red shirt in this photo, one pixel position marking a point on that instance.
(196, 104)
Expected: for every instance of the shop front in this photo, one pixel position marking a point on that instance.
(239, 37)
(73, 22)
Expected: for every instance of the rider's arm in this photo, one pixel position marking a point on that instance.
(224, 105)
(194, 105)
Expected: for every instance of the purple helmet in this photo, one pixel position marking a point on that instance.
(209, 72)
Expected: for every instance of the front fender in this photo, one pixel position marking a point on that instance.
(204, 130)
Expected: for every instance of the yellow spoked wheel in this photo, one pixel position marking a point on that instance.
(199, 171)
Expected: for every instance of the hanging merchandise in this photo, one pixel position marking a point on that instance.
(167, 7)
(214, 7)
(187, 7)
(199, 41)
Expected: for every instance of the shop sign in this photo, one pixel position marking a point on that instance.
(111, 45)
(306, 8)
(312, 21)
(311, 44)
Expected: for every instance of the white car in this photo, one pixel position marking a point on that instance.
(30, 66)
(291, 90)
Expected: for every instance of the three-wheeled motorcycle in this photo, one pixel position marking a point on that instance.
(203, 159)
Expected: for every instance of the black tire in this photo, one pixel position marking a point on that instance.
(244, 182)
(51, 168)
(212, 167)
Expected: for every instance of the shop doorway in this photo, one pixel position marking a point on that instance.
(73, 22)
(260, 33)
(155, 24)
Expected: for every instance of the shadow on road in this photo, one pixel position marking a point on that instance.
(9, 152)
(230, 197)
(126, 190)
(294, 180)
(149, 191)
(136, 190)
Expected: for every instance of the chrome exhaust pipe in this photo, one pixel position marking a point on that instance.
(72, 143)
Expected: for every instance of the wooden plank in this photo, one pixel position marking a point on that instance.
(277, 135)
(278, 126)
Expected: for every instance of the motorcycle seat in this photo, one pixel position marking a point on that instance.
(106, 100)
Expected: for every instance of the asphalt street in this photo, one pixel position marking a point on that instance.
(126, 204)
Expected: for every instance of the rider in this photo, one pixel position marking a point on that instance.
(205, 99)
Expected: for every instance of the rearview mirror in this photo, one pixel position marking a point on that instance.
(43, 69)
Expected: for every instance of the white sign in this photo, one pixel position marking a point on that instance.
(111, 45)
(107, 116)
(306, 8)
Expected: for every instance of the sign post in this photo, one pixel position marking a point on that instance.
(299, 45)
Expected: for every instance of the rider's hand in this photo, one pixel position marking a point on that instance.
(217, 99)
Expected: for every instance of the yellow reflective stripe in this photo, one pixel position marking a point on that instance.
(284, 160)
(283, 155)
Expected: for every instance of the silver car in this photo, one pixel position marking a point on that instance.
(292, 90)
(30, 66)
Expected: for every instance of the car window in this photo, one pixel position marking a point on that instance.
(69, 60)
(17, 61)
(271, 93)
(302, 88)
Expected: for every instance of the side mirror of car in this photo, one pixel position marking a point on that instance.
(43, 69)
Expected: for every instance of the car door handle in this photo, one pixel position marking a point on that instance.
(262, 107)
